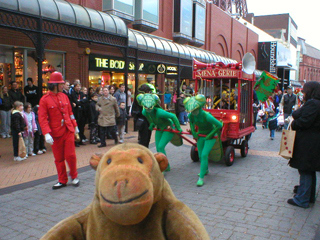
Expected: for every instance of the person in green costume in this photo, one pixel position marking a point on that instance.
(207, 125)
(159, 118)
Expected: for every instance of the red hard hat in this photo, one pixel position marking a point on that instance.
(56, 77)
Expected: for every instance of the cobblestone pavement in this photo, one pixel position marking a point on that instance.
(244, 201)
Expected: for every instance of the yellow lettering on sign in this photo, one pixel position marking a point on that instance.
(102, 62)
(141, 66)
(131, 66)
(117, 64)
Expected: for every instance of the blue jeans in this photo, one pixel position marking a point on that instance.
(5, 122)
(272, 133)
(306, 189)
(183, 117)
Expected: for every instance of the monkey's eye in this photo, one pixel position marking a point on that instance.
(109, 161)
(140, 160)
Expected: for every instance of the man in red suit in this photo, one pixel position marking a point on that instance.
(59, 128)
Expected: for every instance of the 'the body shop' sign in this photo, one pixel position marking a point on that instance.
(101, 63)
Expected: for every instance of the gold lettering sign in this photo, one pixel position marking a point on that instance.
(109, 63)
(212, 73)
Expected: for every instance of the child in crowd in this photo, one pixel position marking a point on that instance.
(38, 146)
(121, 121)
(273, 123)
(93, 119)
(28, 135)
(17, 127)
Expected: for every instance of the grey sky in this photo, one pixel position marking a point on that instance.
(304, 13)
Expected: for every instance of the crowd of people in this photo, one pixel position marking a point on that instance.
(19, 114)
(59, 117)
(276, 109)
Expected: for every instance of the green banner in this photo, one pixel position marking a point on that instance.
(265, 86)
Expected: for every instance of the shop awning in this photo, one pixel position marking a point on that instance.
(150, 43)
(295, 83)
(69, 13)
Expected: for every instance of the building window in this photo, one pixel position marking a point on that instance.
(183, 19)
(120, 8)
(199, 22)
(146, 15)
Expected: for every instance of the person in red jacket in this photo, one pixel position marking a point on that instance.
(59, 127)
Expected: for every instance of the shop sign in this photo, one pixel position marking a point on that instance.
(102, 63)
(132, 66)
(267, 56)
(172, 70)
(161, 68)
(217, 73)
(273, 57)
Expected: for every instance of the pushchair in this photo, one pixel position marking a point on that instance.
(280, 122)
(263, 118)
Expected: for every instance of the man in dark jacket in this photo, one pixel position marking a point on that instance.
(31, 93)
(94, 114)
(78, 100)
(15, 93)
(289, 102)
(181, 111)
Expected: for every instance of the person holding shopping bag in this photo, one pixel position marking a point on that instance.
(306, 122)
(59, 127)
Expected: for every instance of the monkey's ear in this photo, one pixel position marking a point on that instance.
(162, 161)
(95, 159)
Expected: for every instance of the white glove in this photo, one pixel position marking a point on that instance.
(76, 130)
(48, 138)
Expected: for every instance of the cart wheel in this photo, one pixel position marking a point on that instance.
(244, 148)
(248, 137)
(194, 154)
(229, 155)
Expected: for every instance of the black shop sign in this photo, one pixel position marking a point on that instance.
(106, 63)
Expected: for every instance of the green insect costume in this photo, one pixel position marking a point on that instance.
(207, 125)
(159, 118)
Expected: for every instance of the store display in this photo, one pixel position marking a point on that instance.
(47, 69)
(1, 75)
(18, 65)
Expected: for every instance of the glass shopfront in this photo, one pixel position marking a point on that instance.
(53, 61)
(19, 64)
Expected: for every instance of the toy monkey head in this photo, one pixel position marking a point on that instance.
(128, 182)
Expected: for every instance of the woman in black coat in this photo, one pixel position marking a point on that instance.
(306, 154)
(141, 122)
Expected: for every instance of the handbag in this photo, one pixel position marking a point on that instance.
(287, 142)
(22, 148)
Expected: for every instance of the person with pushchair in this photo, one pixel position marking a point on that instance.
(289, 103)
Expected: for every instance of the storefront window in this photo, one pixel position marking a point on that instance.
(170, 94)
(53, 61)
(18, 67)
(6, 58)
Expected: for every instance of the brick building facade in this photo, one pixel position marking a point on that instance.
(309, 69)
(224, 36)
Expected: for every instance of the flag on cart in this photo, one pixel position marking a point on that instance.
(265, 86)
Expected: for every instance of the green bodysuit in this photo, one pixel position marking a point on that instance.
(207, 125)
(159, 118)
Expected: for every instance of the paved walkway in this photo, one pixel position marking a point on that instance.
(244, 201)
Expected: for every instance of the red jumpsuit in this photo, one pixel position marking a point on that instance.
(56, 118)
